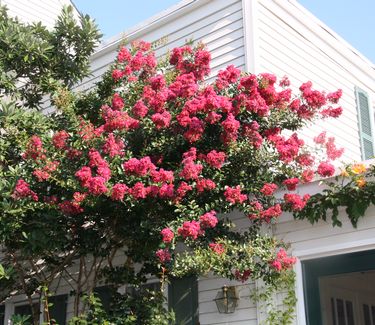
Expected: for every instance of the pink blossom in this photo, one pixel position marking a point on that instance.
(332, 151)
(295, 201)
(35, 150)
(191, 170)
(162, 120)
(70, 208)
(140, 109)
(84, 175)
(113, 147)
(117, 74)
(307, 175)
(326, 169)
(117, 102)
(182, 189)
(162, 175)
(234, 195)
(335, 96)
(22, 190)
(96, 185)
(215, 159)
(268, 189)
(123, 54)
(230, 126)
(270, 213)
(157, 82)
(166, 191)
(190, 229)
(218, 248)
(291, 183)
(167, 235)
(321, 138)
(59, 139)
(163, 255)
(205, 184)
(195, 131)
(208, 220)
(138, 191)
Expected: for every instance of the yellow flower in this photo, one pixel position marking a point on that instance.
(358, 168)
(344, 173)
(361, 182)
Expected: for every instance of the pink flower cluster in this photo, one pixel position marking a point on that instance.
(163, 255)
(167, 235)
(35, 150)
(217, 248)
(215, 159)
(208, 220)
(233, 195)
(295, 202)
(190, 170)
(282, 261)
(45, 173)
(59, 139)
(291, 183)
(266, 215)
(22, 190)
(139, 167)
(113, 147)
(268, 189)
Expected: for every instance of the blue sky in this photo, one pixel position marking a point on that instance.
(352, 19)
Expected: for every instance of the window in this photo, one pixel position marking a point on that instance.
(365, 123)
(57, 309)
(25, 310)
(183, 300)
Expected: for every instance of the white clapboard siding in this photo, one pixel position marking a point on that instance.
(286, 46)
(29, 11)
(246, 312)
(219, 26)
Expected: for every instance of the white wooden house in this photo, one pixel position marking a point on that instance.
(29, 11)
(336, 266)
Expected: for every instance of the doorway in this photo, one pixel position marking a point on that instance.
(340, 289)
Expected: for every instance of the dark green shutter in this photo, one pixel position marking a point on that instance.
(58, 308)
(365, 121)
(183, 300)
(105, 295)
(2, 314)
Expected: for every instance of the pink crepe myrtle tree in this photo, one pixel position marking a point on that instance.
(163, 161)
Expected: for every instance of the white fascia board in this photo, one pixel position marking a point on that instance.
(152, 23)
(327, 35)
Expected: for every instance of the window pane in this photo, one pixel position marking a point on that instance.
(373, 314)
(25, 310)
(340, 312)
(333, 305)
(349, 312)
(366, 314)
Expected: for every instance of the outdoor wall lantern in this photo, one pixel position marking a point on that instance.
(226, 300)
